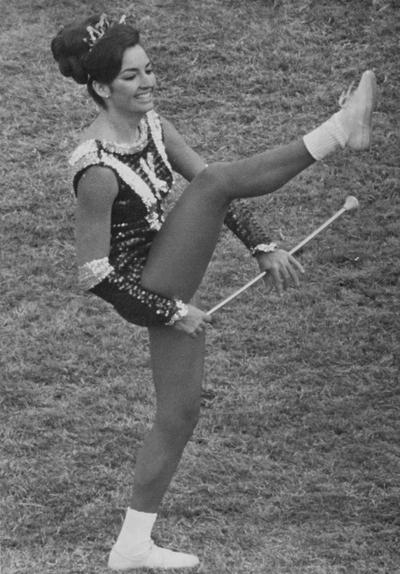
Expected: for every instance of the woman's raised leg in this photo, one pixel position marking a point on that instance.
(182, 249)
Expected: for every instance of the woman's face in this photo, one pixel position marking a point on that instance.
(133, 88)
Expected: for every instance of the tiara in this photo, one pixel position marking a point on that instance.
(97, 31)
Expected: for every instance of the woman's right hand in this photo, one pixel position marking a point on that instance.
(194, 323)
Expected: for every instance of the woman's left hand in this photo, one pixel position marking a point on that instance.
(281, 269)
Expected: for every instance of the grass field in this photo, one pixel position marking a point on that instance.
(295, 465)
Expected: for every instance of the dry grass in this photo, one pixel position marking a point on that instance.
(294, 467)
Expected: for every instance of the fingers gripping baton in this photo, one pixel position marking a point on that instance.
(350, 203)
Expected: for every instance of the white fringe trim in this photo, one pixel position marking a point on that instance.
(88, 153)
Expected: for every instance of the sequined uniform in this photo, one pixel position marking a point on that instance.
(145, 179)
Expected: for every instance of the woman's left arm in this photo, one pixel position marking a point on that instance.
(279, 265)
(183, 159)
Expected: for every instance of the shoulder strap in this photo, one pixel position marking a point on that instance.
(85, 155)
(91, 153)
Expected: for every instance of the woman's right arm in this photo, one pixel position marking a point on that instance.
(96, 192)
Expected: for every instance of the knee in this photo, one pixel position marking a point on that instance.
(215, 180)
(179, 424)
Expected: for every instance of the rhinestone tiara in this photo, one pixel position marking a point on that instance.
(97, 31)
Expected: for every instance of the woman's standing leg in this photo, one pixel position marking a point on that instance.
(177, 365)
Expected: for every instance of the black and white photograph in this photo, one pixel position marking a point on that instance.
(200, 286)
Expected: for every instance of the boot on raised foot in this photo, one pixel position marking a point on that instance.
(355, 117)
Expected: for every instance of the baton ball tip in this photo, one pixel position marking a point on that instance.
(351, 203)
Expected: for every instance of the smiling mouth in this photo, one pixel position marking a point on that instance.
(145, 96)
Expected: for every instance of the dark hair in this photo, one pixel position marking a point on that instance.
(101, 62)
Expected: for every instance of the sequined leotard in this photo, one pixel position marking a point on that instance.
(145, 179)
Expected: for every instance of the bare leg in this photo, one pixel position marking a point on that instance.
(182, 249)
(177, 363)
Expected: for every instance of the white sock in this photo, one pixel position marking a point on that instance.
(135, 533)
(326, 138)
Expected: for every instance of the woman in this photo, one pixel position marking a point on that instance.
(149, 266)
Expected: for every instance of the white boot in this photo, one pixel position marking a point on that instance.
(350, 126)
(355, 117)
(135, 549)
(152, 557)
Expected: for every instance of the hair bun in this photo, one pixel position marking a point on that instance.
(71, 67)
(69, 49)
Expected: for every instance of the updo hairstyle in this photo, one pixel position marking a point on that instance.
(100, 62)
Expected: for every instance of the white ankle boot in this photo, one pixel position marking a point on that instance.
(152, 557)
(355, 117)
(350, 126)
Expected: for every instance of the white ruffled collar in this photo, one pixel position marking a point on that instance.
(120, 148)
